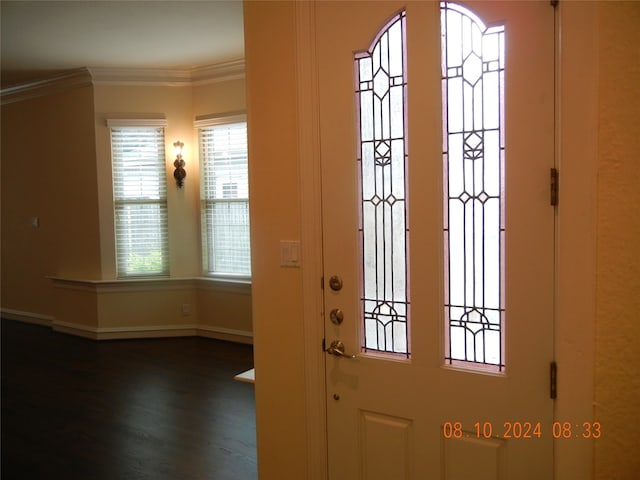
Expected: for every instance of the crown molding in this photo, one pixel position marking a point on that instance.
(166, 77)
(80, 77)
(144, 77)
(220, 72)
(163, 77)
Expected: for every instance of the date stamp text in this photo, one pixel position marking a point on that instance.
(522, 430)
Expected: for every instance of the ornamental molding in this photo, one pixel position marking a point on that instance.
(58, 83)
(106, 76)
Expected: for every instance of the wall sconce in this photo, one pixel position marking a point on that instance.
(179, 173)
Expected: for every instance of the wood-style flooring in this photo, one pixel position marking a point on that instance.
(158, 409)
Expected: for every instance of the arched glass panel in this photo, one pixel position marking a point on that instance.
(473, 153)
(380, 79)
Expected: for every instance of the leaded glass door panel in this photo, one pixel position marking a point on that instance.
(436, 125)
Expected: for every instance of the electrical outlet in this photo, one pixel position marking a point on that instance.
(186, 309)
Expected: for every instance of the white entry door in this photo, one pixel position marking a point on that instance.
(438, 238)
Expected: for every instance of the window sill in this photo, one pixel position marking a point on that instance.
(243, 279)
(242, 286)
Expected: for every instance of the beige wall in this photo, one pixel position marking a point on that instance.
(275, 216)
(48, 172)
(617, 369)
(180, 106)
(221, 97)
(63, 143)
(174, 104)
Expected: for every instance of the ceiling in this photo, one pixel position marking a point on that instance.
(42, 38)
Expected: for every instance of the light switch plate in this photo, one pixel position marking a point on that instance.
(290, 253)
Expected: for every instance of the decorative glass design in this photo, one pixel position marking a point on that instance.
(380, 81)
(473, 154)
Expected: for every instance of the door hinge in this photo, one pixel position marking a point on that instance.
(324, 345)
(553, 380)
(554, 3)
(553, 187)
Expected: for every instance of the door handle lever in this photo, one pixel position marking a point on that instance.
(337, 348)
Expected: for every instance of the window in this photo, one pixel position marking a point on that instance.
(140, 197)
(382, 161)
(225, 195)
(473, 65)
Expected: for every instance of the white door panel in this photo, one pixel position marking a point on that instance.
(389, 415)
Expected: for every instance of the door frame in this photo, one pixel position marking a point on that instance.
(576, 128)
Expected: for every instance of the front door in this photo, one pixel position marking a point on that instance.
(437, 137)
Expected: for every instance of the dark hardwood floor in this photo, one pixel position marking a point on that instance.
(161, 409)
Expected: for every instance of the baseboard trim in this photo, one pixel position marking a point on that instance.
(122, 333)
(75, 329)
(228, 334)
(27, 317)
(133, 332)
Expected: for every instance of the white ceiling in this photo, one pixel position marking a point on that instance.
(40, 38)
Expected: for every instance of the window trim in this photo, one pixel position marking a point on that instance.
(139, 123)
(202, 122)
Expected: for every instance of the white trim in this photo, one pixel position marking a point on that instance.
(142, 328)
(227, 286)
(75, 329)
(48, 86)
(27, 317)
(223, 284)
(136, 122)
(166, 77)
(577, 123)
(221, 72)
(101, 76)
(153, 284)
(128, 285)
(137, 331)
(151, 77)
(111, 333)
(308, 118)
(228, 334)
(203, 121)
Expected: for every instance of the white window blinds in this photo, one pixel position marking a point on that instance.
(225, 198)
(140, 200)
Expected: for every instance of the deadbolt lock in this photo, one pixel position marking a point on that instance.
(335, 282)
(336, 316)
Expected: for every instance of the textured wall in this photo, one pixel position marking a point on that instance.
(617, 369)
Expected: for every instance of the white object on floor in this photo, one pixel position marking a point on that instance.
(249, 376)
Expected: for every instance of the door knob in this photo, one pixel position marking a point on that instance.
(337, 348)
